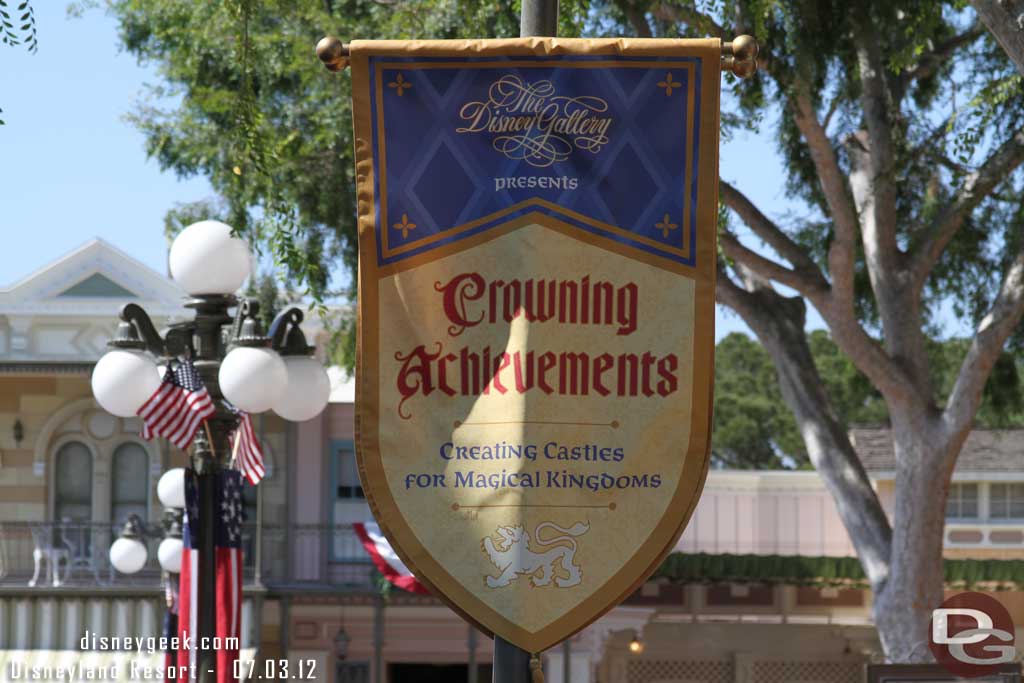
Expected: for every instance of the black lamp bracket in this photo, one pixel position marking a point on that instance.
(286, 336)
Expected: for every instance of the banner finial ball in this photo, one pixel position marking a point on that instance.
(744, 48)
(331, 52)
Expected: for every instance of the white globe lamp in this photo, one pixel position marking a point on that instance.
(128, 555)
(123, 380)
(306, 391)
(171, 488)
(169, 554)
(206, 259)
(253, 378)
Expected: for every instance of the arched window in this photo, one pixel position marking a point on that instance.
(73, 483)
(129, 483)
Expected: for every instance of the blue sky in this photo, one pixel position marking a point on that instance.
(71, 168)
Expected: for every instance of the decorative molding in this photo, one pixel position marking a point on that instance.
(44, 368)
(53, 423)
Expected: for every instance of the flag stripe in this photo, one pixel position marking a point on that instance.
(161, 410)
(189, 424)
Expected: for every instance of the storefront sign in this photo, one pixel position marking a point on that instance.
(536, 300)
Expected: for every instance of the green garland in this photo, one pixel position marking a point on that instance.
(825, 571)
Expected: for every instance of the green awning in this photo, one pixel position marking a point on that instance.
(825, 571)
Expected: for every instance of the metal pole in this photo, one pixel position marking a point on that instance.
(378, 639)
(512, 665)
(539, 18)
(210, 455)
(207, 584)
(566, 661)
(471, 660)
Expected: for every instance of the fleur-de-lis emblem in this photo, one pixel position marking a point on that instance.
(665, 225)
(405, 226)
(400, 84)
(668, 84)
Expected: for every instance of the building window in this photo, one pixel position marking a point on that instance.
(962, 502)
(1006, 501)
(73, 484)
(348, 504)
(346, 473)
(129, 480)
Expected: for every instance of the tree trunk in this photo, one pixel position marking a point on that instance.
(778, 323)
(903, 607)
(1005, 19)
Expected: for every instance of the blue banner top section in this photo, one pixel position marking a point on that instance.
(607, 144)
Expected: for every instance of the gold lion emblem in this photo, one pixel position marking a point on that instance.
(513, 556)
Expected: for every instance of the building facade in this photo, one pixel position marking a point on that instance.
(762, 587)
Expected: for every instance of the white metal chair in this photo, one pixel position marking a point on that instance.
(79, 539)
(46, 551)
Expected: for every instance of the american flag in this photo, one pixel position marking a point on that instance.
(246, 448)
(386, 559)
(178, 407)
(227, 566)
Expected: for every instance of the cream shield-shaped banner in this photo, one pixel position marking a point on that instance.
(536, 315)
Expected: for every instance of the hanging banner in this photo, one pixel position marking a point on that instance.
(536, 314)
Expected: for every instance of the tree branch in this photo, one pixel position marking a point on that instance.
(805, 283)
(931, 142)
(765, 228)
(637, 18)
(878, 215)
(1005, 19)
(930, 62)
(842, 251)
(885, 374)
(690, 16)
(989, 339)
(975, 188)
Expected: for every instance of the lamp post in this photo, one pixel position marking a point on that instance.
(235, 360)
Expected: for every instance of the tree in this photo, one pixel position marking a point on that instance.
(900, 125)
(897, 226)
(261, 118)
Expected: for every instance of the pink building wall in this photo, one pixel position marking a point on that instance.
(765, 513)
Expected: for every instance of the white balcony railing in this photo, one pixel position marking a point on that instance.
(984, 534)
(48, 555)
